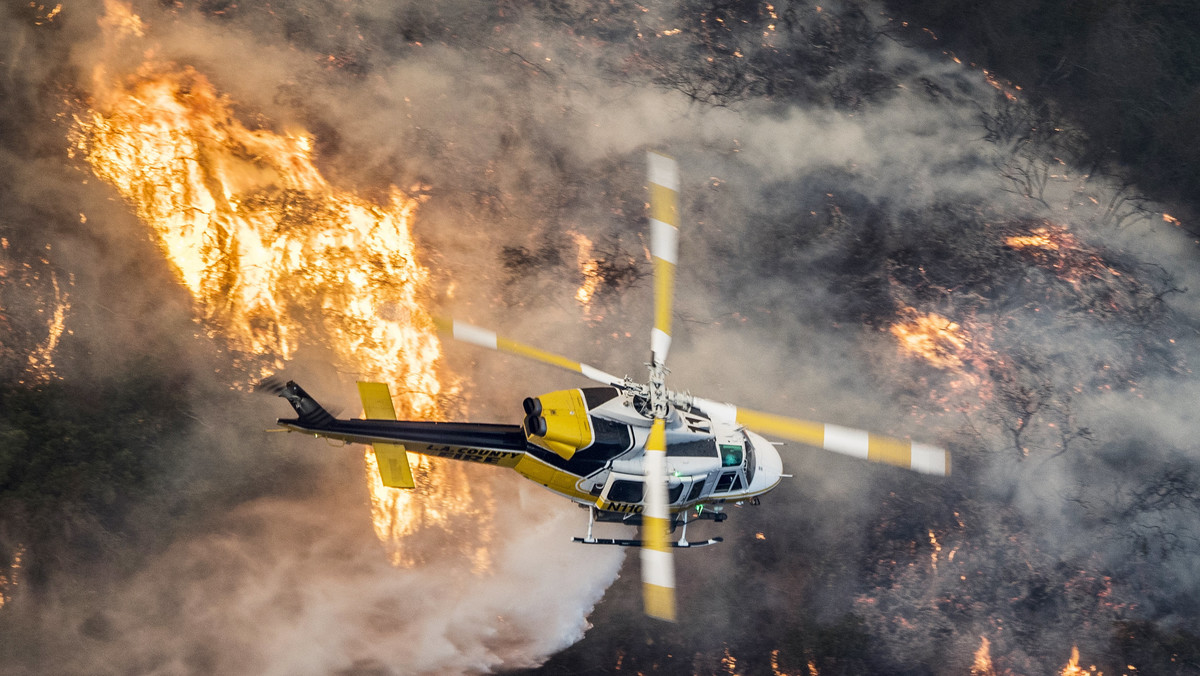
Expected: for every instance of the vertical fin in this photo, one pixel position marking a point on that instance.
(392, 459)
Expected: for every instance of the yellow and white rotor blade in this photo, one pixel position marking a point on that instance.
(663, 172)
(855, 443)
(485, 338)
(658, 568)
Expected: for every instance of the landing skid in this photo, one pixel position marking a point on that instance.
(638, 543)
(681, 543)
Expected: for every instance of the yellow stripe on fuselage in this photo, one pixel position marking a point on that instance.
(551, 477)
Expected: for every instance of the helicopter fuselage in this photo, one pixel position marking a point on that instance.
(586, 444)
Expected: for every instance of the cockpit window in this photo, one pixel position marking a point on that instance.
(611, 438)
(731, 455)
(596, 396)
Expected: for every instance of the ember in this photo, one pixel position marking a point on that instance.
(1055, 248)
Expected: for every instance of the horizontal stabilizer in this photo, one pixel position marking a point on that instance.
(394, 470)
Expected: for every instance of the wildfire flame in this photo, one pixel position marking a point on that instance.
(932, 337)
(982, 666)
(120, 20)
(1054, 247)
(1073, 668)
(53, 306)
(41, 360)
(588, 268)
(936, 550)
(1041, 238)
(9, 580)
(275, 256)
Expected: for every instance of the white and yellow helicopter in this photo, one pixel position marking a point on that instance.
(636, 453)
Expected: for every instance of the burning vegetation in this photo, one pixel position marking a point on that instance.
(35, 299)
(277, 259)
(931, 337)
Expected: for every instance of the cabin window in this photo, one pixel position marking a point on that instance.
(737, 483)
(625, 491)
(673, 493)
(700, 448)
(697, 488)
(725, 482)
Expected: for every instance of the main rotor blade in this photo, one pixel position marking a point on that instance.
(485, 338)
(658, 568)
(664, 246)
(856, 443)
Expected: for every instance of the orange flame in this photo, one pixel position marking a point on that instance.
(119, 19)
(1055, 248)
(937, 549)
(275, 256)
(1073, 668)
(932, 337)
(1040, 238)
(588, 267)
(9, 580)
(54, 304)
(982, 666)
(42, 359)
(729, 662)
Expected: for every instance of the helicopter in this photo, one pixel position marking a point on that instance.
(632, 452)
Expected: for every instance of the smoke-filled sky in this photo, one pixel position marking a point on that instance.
(836, 184)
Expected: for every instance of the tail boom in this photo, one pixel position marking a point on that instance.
(502, 445)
